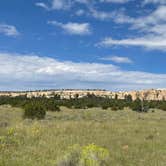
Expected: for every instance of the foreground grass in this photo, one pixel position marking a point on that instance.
(133, 139)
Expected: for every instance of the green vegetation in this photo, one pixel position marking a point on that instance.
(88, 131)
(90, 155)
(118, 138)
(90, 101)
(34, 110)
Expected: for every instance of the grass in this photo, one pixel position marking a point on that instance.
(133, 139)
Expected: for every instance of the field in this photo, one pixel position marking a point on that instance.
(133, 139)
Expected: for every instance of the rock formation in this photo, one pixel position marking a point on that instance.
(152, 94)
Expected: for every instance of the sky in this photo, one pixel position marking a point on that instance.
(115, 45)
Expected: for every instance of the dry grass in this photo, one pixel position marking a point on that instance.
(133, 139)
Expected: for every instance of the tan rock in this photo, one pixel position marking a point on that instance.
(152, 94)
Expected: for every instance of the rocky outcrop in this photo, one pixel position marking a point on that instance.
(152, 94)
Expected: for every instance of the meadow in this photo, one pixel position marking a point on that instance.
(132, 138)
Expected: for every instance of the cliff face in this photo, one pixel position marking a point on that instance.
(144, 94)
(152, 94)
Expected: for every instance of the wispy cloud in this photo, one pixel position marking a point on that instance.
(115, 1)
(8, 30)
(56, 5)
(149, 23)
(117, 59)
(73, 28)
(32, 71)
(42, 5)
(80, 12)
(67, 4)
(61, 4)
(153, 27)
(150, 42)
(154, 1)
(101, 15)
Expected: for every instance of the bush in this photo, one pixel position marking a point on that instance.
(56, 108)
(93, 155)
(140, 105)
(105, 107)
(52, 106)
(90, 155)
(114, 108)
(34, 110)
(162, 106)
(71, 158)
(137, 105)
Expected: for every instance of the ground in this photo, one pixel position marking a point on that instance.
(133, 139)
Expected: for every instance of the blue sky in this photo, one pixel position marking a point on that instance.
(107, 44)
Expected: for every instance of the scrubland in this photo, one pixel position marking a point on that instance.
(132, 138)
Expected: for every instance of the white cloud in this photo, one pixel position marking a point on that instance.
(115, 1)
(80, 12)
(8, 30)
(42, 5)
(157, 17)
(101, 15)
(61, 4)
(117, 59)
(31, 71)
(153, 27)
(149, 23)
(84, 1)
(117, 16)
(154, 1)
(67, 4)
(150, 42)
(73, 28)
(56, 5)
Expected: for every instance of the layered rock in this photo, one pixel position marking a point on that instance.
(153, 94)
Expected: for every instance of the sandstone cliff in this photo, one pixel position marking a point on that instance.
(153, 94)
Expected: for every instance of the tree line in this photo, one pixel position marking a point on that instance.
(36, 107)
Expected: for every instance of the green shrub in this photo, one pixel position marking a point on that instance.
(56, 108)
(162, 106)
(114, 108)
(34, 110)
(71, 158)
(93, 155)
(104, 107)
(9, 139)
(90, 155)
(89, 101)
(137, 105)
(52, 106)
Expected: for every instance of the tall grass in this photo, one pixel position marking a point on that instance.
(132, 139)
